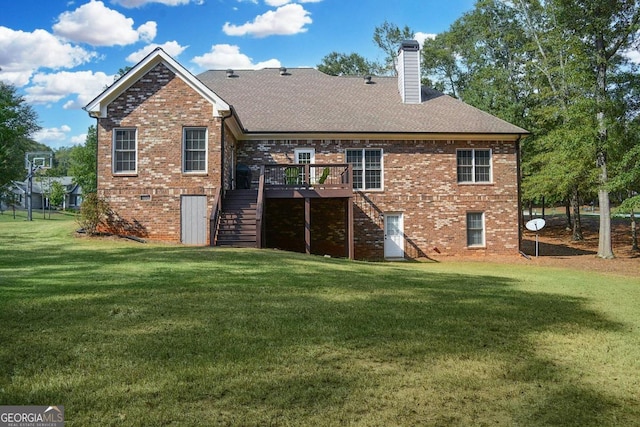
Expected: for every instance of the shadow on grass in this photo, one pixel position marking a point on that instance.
(249, 337)
(549, 249)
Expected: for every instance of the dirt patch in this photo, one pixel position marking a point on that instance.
(557, 248)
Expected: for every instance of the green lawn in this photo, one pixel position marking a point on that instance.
(124, 333)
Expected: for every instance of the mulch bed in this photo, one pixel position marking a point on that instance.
(557, 248)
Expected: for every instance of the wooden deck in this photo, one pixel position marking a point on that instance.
(238, 221)
(307, 181)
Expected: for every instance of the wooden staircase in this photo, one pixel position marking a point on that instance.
(237, 226)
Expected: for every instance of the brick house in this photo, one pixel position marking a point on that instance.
(367, 168)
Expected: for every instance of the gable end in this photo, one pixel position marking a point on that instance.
(98, 106)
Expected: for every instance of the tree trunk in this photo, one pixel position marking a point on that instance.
(577, 224)
(567, 206)
(605, 249)
(604, 232)
(543, 207)
(634, 232)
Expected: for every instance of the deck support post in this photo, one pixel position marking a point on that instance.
(349, 228)
(307, 225)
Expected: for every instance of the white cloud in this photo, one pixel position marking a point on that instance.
(79, 139)
(140, 3)
(633, 55)
(51, 135)
(421, 37)
(51, 88)
(277, 3)
(286, 20)
(223, 56)
(21, 53)
(147, 31)
(173, 48)
(97, 25)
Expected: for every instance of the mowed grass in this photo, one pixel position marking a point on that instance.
(130, 334)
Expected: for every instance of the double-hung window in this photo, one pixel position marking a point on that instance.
(195, 150)
(367, 168)
(474, 165)
(124, 151)
(475, 229)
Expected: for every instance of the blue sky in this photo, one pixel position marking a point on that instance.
(61, 54)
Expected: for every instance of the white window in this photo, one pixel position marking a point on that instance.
(305, 156)
(194, 150)
(124, 151)
(475, 229)
(474, 165)
(367, 168)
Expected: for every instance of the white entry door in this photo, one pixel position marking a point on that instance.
(393, 235)
(305, 156)
(193, 220)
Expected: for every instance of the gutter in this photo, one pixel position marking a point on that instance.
(519, 190)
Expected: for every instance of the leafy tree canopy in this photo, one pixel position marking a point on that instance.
(82, 162)
(18, 121)
(340, 64)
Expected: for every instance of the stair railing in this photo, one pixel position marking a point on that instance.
(214, 219)
(259, 209)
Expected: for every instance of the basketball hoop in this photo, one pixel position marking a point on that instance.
(33, 162)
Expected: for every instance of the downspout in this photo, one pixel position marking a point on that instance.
(518, 189)
(214, 217)
(222, 147)
(97, 117)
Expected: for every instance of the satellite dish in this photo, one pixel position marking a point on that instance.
(535, 224)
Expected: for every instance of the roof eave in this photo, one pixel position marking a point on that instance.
(391, 136)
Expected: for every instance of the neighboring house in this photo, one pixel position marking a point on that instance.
(40, 187)
(295, 159)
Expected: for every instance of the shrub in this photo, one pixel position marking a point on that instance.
(93, 212)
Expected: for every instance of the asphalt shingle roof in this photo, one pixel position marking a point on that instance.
(307, 100)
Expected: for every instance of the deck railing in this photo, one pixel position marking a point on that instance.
(307, 176)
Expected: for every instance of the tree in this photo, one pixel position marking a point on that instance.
(61, 161)
(121, 72)
(561, 108)
(18, 121)
(605, 29)
(388, 37)
(340, 64)
(626, 181)
(440, 63)
(83, 162)
(56, 194)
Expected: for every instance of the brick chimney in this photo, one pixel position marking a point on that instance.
(409, 72)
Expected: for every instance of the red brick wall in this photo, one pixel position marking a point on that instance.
(159, 105)
(420, 182)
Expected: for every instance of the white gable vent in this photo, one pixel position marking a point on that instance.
(409, 72)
